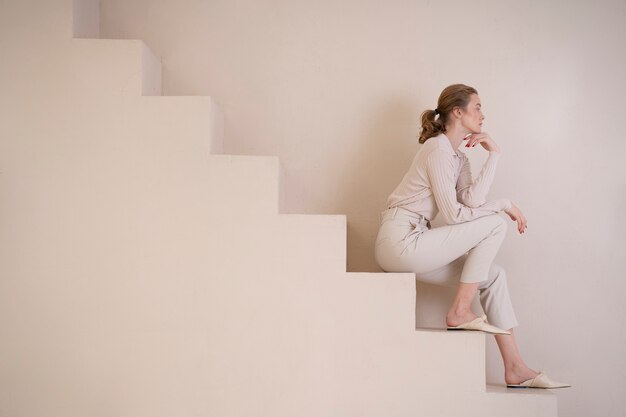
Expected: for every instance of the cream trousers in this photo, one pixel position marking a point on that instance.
(446, 255)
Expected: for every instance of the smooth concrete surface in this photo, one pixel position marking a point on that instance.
(142, 276)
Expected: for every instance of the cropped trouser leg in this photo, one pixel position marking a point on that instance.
(494, 292)
(446, 255)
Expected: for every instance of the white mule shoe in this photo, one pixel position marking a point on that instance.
(540, 381)
(479, 324)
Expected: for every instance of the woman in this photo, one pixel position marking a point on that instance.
(440, 181)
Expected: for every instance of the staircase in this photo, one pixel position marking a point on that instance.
(143, 273)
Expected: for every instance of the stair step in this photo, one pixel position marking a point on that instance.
(521, 402)
(173, 129)
(81, 69)
(34, 22)
(313, 241)
(136, 72)
(178, 124)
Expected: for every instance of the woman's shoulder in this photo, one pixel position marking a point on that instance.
(439, 143)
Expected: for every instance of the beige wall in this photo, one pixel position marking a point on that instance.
(335, 90)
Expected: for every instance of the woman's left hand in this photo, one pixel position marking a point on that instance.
(485, 141)
(516, 215)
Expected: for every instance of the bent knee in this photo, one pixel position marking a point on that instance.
(499, 220)
(499, 225)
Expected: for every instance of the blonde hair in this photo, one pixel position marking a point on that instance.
(455, 95)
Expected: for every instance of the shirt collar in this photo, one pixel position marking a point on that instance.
(444, 143)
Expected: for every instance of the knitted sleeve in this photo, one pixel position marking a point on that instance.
(441, 174)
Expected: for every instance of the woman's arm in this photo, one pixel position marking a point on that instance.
(441, 173)
(473, 193)
(517, 216)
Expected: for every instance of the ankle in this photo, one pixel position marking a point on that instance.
(517, 367)
(457, 317)
(518, 373)
(460, 309)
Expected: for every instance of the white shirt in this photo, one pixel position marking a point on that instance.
(440, 179)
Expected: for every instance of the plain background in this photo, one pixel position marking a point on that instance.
(335, 89)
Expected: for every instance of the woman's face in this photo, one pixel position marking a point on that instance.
(472, 117)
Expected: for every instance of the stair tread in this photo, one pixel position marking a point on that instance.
(497, 389)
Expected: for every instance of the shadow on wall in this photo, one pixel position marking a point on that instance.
(387, 145)
(431, 305)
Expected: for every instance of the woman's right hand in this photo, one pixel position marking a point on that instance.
(517, 216)
(484, 139)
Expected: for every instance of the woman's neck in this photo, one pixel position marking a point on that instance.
(455, 135)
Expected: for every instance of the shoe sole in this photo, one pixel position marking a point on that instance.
(476, 330)
(524, 387)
